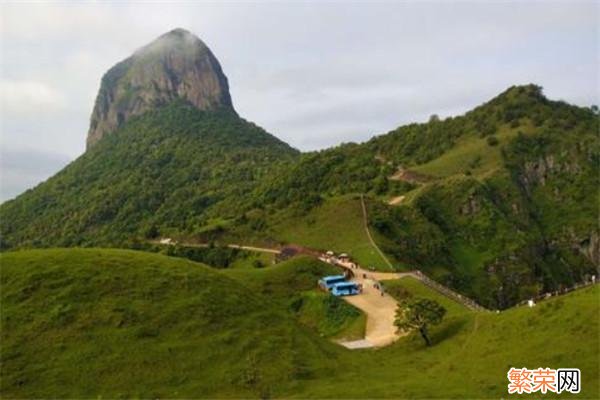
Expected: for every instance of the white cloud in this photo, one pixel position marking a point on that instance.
(29, 97)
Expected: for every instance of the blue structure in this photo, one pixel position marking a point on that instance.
(345, 289)
(327, 282)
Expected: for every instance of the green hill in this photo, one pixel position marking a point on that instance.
(114, 323)
(500, 203)
(474, 351)
(172, 171)
(336, 224)
(291, 286)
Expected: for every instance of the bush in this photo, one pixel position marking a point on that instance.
(492, 140)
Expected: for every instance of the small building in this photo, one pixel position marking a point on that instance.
(330, 253)
(167, 241)
(344, 257)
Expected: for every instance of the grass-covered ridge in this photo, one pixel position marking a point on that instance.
(114, 323)
(292, 287)
(337, 224)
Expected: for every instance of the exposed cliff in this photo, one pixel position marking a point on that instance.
(176, 65)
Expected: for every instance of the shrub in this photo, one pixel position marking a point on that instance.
(492, 140)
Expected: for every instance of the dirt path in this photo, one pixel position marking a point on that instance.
(396, 200)
(231, 246)
(366, 225)
(380, 310)
(252, 248)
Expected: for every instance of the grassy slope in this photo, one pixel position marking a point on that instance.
(418, 289)
(83, 323)
(291, 286)
(473, 352)
(266, 259)
(335, 225)
(471, 153)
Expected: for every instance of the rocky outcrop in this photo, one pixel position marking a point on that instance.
(471, 206)
(537, 172)
(176, 65)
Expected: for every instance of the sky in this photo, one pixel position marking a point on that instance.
(315, 74)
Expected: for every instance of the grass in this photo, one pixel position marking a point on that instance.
(335, 225)
(329, 316)
(112, 323)
(471, 153)
(248, 262)
(399, 287)
(291, 285)
(473, 351)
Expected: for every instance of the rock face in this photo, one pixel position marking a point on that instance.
(176, 65)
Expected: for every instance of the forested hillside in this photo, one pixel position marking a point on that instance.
(161, 173)
(500, 203)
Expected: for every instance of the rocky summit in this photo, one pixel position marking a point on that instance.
(176, 65)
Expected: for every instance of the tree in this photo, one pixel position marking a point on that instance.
(419, 314)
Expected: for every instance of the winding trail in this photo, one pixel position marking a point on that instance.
(379, 309)
(231, 246)
(366, 225)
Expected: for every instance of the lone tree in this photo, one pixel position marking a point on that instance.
(419, 314)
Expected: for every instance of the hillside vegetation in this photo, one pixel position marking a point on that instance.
(336, 224)
(499, 203)
(113, 323)
(171, 171)
(292, 286)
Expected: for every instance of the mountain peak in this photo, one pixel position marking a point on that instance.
(175, 65)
